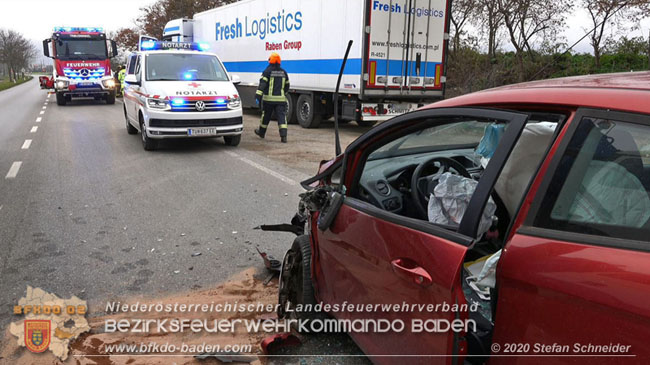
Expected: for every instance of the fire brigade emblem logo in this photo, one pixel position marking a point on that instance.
(84, 72)
(200, 106)
(37, 335)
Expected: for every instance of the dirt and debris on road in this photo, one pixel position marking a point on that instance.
(306, 147)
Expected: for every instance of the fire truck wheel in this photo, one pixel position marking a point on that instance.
(291, 109)
(306, 112)
(60, 99)
(110, 98)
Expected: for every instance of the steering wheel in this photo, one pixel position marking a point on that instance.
(422, 186)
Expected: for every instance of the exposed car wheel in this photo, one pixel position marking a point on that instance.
(366, 123)
(60, 99)
(306, 112)
(147, 143)
(130, 129)
(110, 98)
(291, 109)
(232, 140)
(295, 281)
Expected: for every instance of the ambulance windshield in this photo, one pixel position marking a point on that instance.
(184, 67)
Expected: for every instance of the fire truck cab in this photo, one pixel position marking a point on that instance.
(82, 66)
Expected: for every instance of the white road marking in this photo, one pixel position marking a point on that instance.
(264, 169)
(13, 171)
(42, 112)
(38, 120)
(44, 107)
(28, 142)
(34, 129)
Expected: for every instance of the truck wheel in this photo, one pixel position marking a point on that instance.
(130, 129)
(366, 123)
(60, 99)
(291, 109)
(232, 140)
(147, 143)
(110, 98)
(306, 112)
(295, 281)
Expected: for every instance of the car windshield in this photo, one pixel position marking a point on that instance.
(81, 49)
(184, 67)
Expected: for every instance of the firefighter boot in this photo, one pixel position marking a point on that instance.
(283, 139)
(260, 132)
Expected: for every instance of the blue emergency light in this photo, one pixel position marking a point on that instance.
(79, 29)
(151, 45)
(178, 102)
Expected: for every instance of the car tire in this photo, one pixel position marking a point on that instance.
(232, 140)
(130, 129)
(147, 143)
(110, 98)
(291, 109)
(60, 99)
(300, 291)
(306, 112)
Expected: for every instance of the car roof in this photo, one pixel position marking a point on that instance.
(629, 91)
(175, 51)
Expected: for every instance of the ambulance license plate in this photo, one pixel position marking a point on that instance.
(202, 132)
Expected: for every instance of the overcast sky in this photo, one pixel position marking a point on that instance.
(36, 18)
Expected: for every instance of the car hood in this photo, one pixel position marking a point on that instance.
(195, 90)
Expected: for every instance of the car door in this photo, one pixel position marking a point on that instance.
(130, 95)
(574, 283)
(371, 255)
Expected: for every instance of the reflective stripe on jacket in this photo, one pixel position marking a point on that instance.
(274, 85)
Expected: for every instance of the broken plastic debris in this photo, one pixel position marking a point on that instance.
(195, 254)
(159, 240)
(273, 343)
(234, 232)
(152, 250)
(177, 271)
(182, 234)
(271, 263)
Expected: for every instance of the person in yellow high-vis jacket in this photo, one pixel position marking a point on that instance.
(121, 75)
(272, 95)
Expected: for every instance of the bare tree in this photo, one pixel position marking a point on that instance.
(16, 52)
(461, 13)
(491, 20)
(605, 12)
(528, 21)
(155, 16)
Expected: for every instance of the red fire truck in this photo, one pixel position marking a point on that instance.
(82, 66)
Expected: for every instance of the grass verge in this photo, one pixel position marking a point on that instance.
(6, 84)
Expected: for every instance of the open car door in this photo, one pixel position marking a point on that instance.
(379, 251)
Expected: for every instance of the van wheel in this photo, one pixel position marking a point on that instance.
(110, 98)
(232, 140)
(147, 143)
(306, 112)
(60, 99)
(291, 109)
(295, 281)
(130, 129)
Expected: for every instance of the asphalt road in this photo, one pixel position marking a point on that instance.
(85, 211)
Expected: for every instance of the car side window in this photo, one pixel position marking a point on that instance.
(131, 69)
(602, 183)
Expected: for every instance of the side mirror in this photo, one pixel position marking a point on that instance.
(46, 47)
(330, 210)
(132, 79)
(235, 79)
(114, 49)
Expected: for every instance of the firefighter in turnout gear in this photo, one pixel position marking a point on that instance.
(272, 95)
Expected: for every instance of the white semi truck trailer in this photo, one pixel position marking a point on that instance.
(396, 63)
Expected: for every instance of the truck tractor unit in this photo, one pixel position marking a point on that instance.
(82, 66)
(395, 65)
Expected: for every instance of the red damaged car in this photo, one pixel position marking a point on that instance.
(509, 225)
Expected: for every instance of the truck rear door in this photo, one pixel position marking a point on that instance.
(405, 48)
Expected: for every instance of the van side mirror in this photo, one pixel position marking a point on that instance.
(46, 47)
(132, 79)
(235, 79)
(114, 50)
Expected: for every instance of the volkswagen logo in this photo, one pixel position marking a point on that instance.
(200, 106)
(84, 72)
